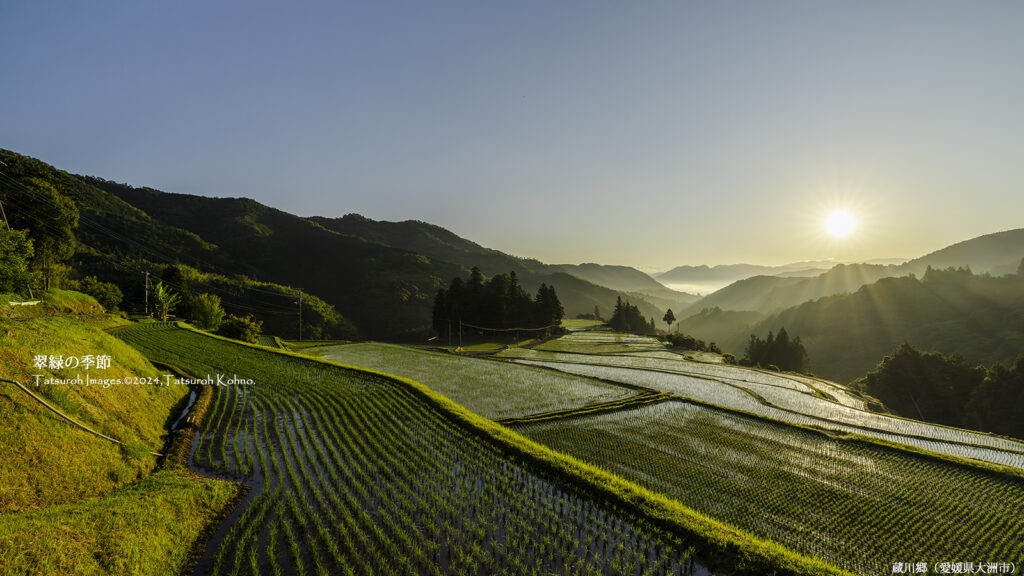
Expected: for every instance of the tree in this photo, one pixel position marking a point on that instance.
(499, 303)
(180, 276)
(669, 318)
(50, 218)
(207, 312)
(15, 254)
(1020, 269)
(164, 301)
(627, 318)
(241, 328)
(106, 293)
(778, 351)
(548, 308)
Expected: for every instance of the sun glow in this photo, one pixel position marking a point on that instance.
(840, 223)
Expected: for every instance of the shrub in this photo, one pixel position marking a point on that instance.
(243, 328)
(207, 312)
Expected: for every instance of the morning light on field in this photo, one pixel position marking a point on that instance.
(475, 289)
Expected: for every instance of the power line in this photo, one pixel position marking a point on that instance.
(261, 308)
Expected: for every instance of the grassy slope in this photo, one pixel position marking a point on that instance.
(143, 528)
(43, 450)
(73, 503)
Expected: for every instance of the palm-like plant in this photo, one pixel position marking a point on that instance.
(164, 301)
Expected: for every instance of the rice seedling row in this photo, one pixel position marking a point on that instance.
(859, 505)
(788, 406)
(490, 389)
(354, 474)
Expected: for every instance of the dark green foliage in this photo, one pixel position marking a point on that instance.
(44, 207)
(15, 254)
(181, 278)
(778, 351)
(920, 385)
(499, 303)
(580, 288)
(207, 312)
(949, 390)
(243, 328)
(687, 342)
(107, 294)
(385, 291)
(997, 404)
(548, 310)
(627, 318)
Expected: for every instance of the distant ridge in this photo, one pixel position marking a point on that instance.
(997, 254)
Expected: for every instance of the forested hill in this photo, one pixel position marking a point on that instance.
(580, 288)
(997, 254)
(382, 276)
(948, 311)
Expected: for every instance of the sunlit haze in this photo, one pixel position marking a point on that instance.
(647, 134)
(840, 223)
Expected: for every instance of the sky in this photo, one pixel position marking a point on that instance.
(651, 134)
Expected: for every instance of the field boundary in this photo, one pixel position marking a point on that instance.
(765, 402)
(636, 401)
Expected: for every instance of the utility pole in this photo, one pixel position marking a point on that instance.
(449, 332)
(300, 314)
(4, 214)
(147, 294)
(460, 333)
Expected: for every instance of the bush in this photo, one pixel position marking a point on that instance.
(108, 295)
(241, 328)
(207, 312)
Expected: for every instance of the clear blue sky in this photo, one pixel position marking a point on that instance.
(648, 133)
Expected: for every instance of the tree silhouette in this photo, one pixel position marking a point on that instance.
(669, 318)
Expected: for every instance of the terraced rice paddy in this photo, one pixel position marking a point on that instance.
(788, 398)
(353, 473)
(491, 389)
(862, 506)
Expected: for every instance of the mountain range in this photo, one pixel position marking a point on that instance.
(382, 276)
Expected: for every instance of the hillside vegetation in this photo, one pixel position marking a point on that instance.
(72, 502)
(979, 317)
(46, 460)
(381, 276)
(580, 287)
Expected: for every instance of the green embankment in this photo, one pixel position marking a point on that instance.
(72, 502)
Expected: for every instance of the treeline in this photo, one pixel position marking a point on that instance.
(776, 351)
(497, 303)
(687, 342)
(627, 318)
(949, 390)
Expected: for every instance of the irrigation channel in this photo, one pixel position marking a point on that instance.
(353, 472)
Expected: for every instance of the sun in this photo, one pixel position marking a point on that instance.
(840, 223)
